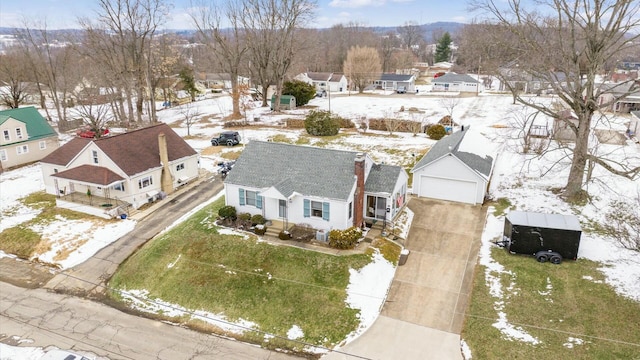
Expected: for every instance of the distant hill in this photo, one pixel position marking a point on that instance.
(430, 31)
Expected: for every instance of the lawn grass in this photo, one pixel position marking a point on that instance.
(576, 307)
(20, 240)
(274, 286)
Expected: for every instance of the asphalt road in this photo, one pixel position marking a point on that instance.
(82, 325)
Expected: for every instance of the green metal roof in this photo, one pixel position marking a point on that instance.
(37, 126)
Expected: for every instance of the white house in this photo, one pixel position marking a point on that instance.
(457, 168)
(325, 81)
(634, 125)
(456, 82)
(26, 137)
(326, 189)
(119, 171)
(394, 81)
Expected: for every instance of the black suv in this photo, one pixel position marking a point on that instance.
(228, 138)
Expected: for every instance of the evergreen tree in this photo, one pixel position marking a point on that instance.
(188, 82)
(443, 52)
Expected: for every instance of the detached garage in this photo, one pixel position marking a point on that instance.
(457, 168)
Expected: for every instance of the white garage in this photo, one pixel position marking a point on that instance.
(457, 168)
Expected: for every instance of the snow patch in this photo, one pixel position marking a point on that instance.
(295, 333)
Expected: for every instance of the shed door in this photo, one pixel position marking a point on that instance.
(448, 189)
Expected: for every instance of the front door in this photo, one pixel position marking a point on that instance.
(282, 208)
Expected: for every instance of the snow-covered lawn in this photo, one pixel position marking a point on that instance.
(525, 179)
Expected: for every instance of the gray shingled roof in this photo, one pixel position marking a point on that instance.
(450, 144)
(454, 78)
(382, 178)
(395, 77)
(305, 170)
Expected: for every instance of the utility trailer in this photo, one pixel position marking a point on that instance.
(551, 237)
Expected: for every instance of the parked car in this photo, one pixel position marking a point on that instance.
(89, 133)
(321, 93)
(401, 90)
(228, 138)
(58, 354)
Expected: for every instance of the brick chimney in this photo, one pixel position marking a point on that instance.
(358, 197)
(166, 182)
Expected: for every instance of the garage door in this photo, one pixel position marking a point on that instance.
(448, 189)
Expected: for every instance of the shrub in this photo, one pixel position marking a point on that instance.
(260, 229)
(321, 123)
(227, 212)
(244, 216)
(436, 132)
(258, 219)
(284, 235)
(302, 91)
(345, 239)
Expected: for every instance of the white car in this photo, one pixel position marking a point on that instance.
(58, 354)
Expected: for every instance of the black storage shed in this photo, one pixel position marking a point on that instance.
(546, 236)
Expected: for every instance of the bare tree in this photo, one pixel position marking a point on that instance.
(190, 113)
(389, 43)
(120, 40)
(53, 66)
(450, 103)
(271, 26)
(569, 49)
(417, 123)
(225, 39)
(391, 122)
(14, 78)
(412, 36)
(362, 66)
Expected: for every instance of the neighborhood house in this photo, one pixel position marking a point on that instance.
(325, 81)
(26, 137)
(326, 189)
(456, 82)
(106, 176)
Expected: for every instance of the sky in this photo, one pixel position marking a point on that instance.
(491, 116)
(64, 13)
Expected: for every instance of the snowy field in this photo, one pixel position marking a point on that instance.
(525, 179)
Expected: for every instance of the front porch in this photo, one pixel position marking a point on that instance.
(107, 208)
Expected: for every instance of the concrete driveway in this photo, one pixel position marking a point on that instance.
(424, 312)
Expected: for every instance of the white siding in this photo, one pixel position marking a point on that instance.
(338, 210)
(449, 168)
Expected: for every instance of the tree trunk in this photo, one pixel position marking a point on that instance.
(579, 161)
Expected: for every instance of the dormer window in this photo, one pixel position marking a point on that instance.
(6, 135)
(18, 133)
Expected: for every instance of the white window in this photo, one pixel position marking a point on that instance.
(119, 186)
(316, 209)
(3, 155)
(19, 133)
(43, 145)
(145, 182)
(94, 153)
(6, 135)
(251, 197)
(350, 210)
(180, 167)
(22, 149)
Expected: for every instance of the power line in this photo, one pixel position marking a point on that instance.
(193, 313)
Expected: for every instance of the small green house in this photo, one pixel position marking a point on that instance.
(287, 102)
